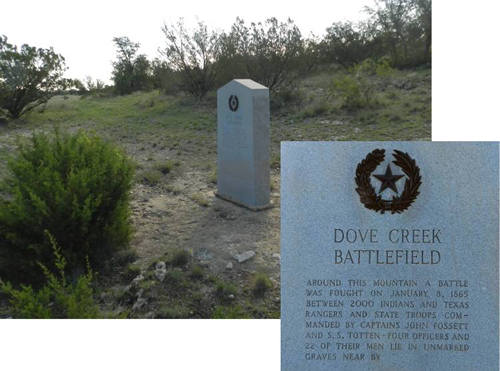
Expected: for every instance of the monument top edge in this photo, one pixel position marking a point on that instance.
(248, 83)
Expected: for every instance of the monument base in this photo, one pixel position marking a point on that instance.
(252, 208)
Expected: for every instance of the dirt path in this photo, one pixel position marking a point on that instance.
(214, 233)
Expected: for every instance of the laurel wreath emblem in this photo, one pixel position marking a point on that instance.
(233, 103)
(367, 194)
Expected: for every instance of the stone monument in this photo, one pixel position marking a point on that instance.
(389, 256)
(243, 142)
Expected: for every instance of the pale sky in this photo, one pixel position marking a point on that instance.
(83, 31)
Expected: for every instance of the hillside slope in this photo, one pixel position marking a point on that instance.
(172, 139)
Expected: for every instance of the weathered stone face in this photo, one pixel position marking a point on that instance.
(389, 269)
(243, 141)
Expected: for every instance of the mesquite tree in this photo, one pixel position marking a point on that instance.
(192, 55)
(29, 76)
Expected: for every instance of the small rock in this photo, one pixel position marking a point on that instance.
(231, 296)
(149, 315)
(203, 254)
(276, 256)
(243, 257)
(139, 304)
(139, 293)
(160, 271)
(137, 280)
(229, 266)
(160, 275)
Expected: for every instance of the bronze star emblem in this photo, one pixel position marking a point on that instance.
(388, 180)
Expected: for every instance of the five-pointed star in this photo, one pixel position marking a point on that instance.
(388, 180)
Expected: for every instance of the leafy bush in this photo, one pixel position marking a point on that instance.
(354, 93)
(75, 186)
(225, 291)
(261, 284)
(192, 55)
(383, 67)
(164, 78)
(380, 67)
(354, 87)
(316, 109)
(180, 258)
(167, 166)
(200, 199)
(92, 88)
(131, 72)
(174, 312)
(231, 312)
(288, 98)
(272, 53)
(151, 177)
(403, 28)
(57, 298)
(399, 29)
(212, 177)
(131, 272)
(347, 44)
(197, 272)
(29, 77)
(176, 279)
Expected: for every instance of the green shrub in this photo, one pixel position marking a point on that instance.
(57, 298)
(383, 68)
(131, 71)
(147, 284)
(347, 88)
(316, 109)
(200, 199)
(232, 312)
(151, 177)
(76, 186)
(366, 67)
(176, 190)
(287, 97)
(29, 77)
(197, 272)
(354, 91)
(261, 284)
(167, 166)
(355, 88)
(179, 258)
(131, 272)
(212, 177)
(369, 67)
(275, 162)
(223, 291)
(174, 312)
(176, 279)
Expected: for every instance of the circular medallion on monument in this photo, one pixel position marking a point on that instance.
(372, 199)
(233, 103)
